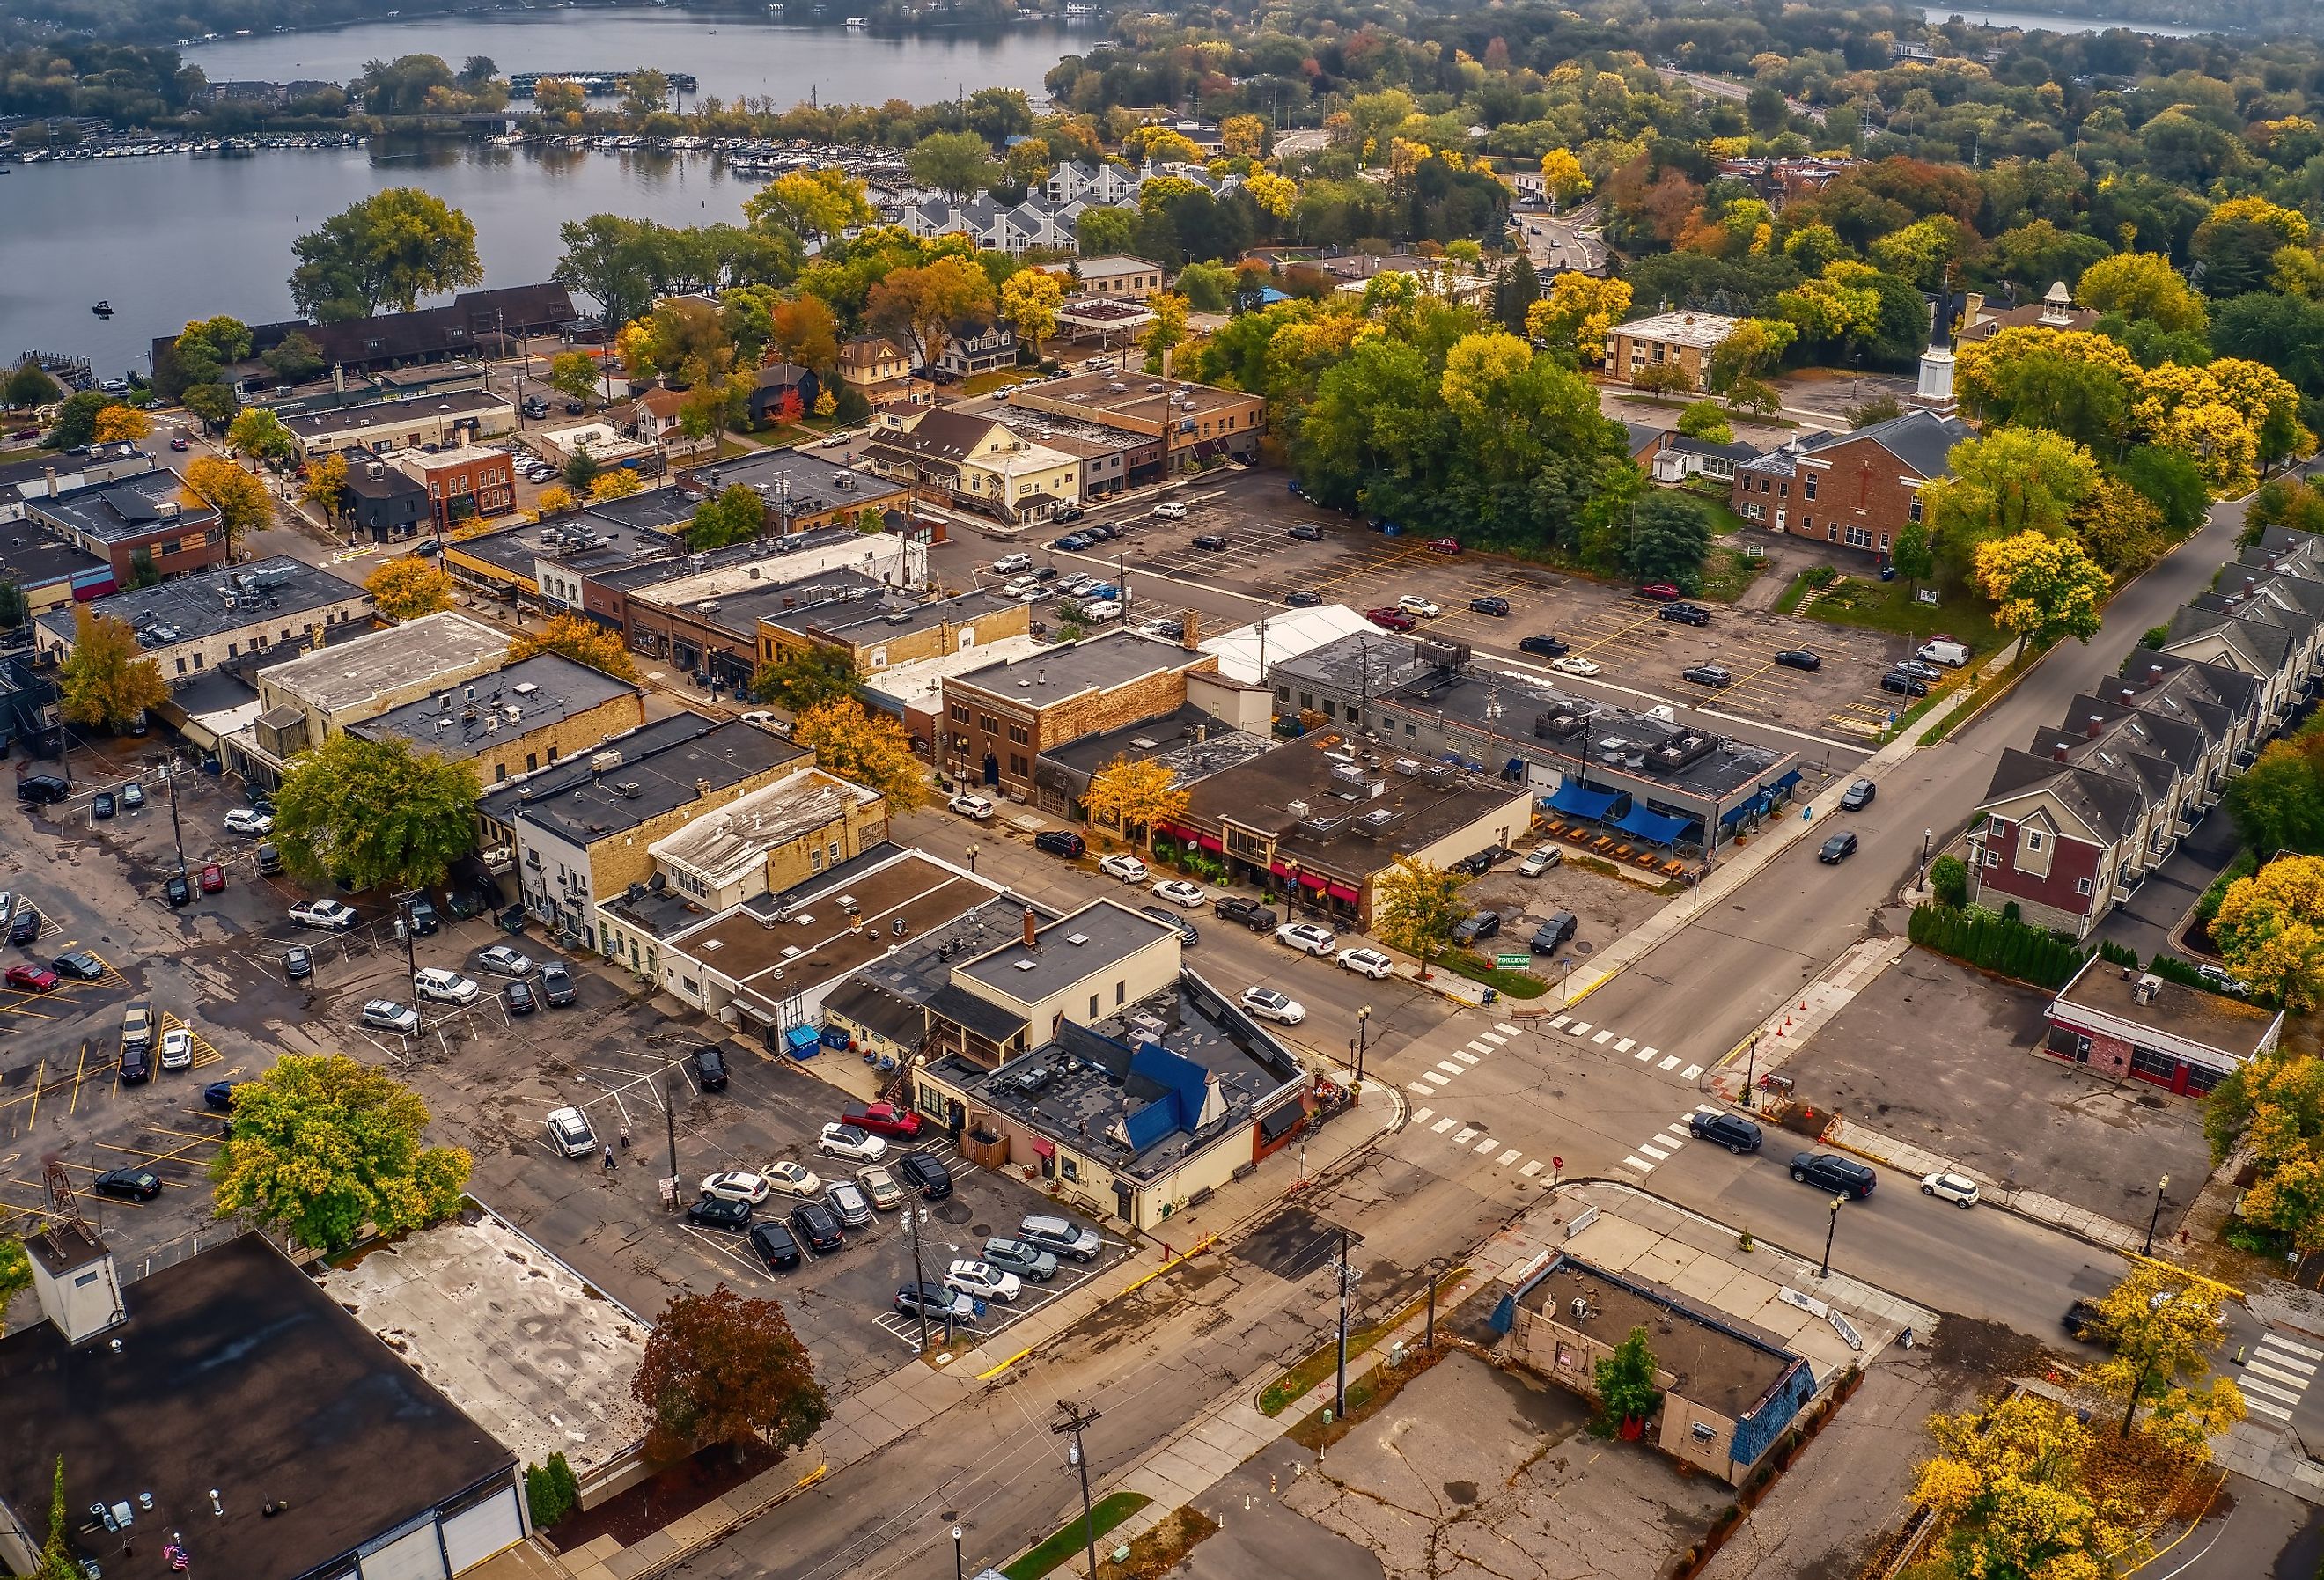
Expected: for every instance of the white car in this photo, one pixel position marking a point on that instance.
(1127, 868)
(983, 1282)
(445, 987)
(1307, 937)
(503, 961)
(845, 1140)
(969, 806)
(1178, 892)
(249, 821)
(1955, 1188)
(1098, 611)
(1020, 588)
(1171, 511)
(1544, 857)
(1418, 608)
(323, 913)
(177, 1048)
(569, 1133)
(734, 1184)
(1274, 1005)
(1573, 664)
(1369, 963)
(881, 1187)
(793, 1179)
(387, 1015)
(1010, 564)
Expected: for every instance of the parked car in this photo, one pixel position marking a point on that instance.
(1661, 592)
(1919, 670)
(718, 1212)
(32, 978)
(136, 1065)
(557, 985)
(2217, 979)
(1798, 658)
(1445, 545)
(1010, 564)
(1945, 651)
(935, 1302)
(845, 1140)
(437, 986)
(1171, 511)
(1390, 619)
(1418, 608)
(1857, 796)
(709, 1064)
(1307, 937)
(1738, 1134)
(1551, 935)
(1369, 963)
(522, 1000)
(133, 796)
(100, 806)
(212, 878)
(332, 915)
(1023, 1258)
(1189, 935)
(177, 1048)
(848, 1204)
(1060, 1236)
(1543, 858)
(737, 1185)
(81, 965)
(41, 788)
(2085, 1322)
(983, 1280)
(1476, 928)
(387, 1015)
(970, 806)
(297, 963)
(1837, 849)
(1830, 1172)
(925, 1173)
(883, 1119)
(1258, 917)
(249, 821)
(1307, 533)
(503, 961)
(25, 927)
(1685, 614)
(270, 860)
(1272, 1005)
(1127, 868)
(775, 1245)
(1545, 645)
(881, 1186)
(1304, 599)
(793, 1178)
(176, 892)
(1057, 842)
(1903, 684)
(131, 1184)
(1178, 892)
(1211, 542)
(1499, 607)
(1573, 664)
(218, 1095)
(1957, 1188)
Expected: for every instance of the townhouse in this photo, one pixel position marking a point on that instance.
(1034, 224)
(974, 461)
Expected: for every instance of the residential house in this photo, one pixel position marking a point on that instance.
(1001, 719)
(783, 392)
(1677, 457)
(876, 368)
(210, 619)
(2125, 1022)
(145, 510)
(1117, 276)
(1686, 340)
(654, 418)
(1981, 321)
(1861, 488)
(1034, 224)
(525, 716)
(978, 463)
(1100, 183)
(976, 347)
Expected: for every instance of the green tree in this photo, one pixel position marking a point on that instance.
(296, 358)
(1704, 421)
(959, 164)
(215, 404)
(142, 572)
(29, 385)
(2276, 1103)
(807, 677)
(2007, 482)
(720, 1371)
(1624, 1382)
(1416, 906)
(58, 1560)
(200, 355)
(580, 470)
(106, 679)
(15, 1274)
(2172, 481)
(263, 437)
(76, 420)
(575, 374)
(1949, 881)
(735, 515)
(1669, 538)
(15, 607)
(375, 812)
(322, 1147)
(2278, 803)
(644, 91)
(2270, 928)
(1101, 232)
(1911, 557)
(385, 251)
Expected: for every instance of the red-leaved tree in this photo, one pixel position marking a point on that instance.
(723, 1369)
(788, 409)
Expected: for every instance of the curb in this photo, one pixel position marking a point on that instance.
(671, 1560)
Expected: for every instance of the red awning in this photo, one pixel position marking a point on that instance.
(1311, 879)
(1207, 843)
(1044, 1149)
(1341, 891)
(1280, 870)
(1177, 831)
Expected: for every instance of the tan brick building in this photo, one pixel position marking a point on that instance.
(999, 719)
(1859, 489)
(780, 834)
(530, 716)
(884, 634)
(301, 704)
(1685, 340)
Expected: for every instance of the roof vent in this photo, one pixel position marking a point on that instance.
(1077, 939)
(1027, 964)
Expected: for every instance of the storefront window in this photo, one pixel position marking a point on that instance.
(2154, 1066)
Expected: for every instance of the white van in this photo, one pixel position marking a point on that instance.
(1945, 651)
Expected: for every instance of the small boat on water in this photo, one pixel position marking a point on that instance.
(103, 309)
(859, 22)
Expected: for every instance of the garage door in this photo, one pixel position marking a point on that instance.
(413, 1555)
(474, 1534)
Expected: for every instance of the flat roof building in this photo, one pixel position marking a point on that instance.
(128, 510)
(2122, 1022)
(191, 624)
(999, 718)
(443, 418)
(531, 713)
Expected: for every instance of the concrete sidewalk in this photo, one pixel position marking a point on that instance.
(1787, 1031)
(2080, 1222)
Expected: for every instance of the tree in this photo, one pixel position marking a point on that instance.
(326, 482)
(869, 748)
(1416, 906)
(371, 812)
(15, 1274)
(580, 470)
(2270, 930)
(406, 590)
(803, 330)
(958, 164)
(142, 572)
(716, 407)
(1167, 332)
(2170, 480)
(2161, 1327)
(2278, 803)
(1572, 320)
(2042, 587)
(1911, 557)
(200, 355)
(808, 678)
(1244, 137)
(1949, 881)
(575, 372)
(1029, 299)
(580, 639)
(722, 1371)
(919, 305)
(106, 679)
(240, 500)
(215, 404)
(1563, 176)
(15, 608)
(385, 251)
(2276, 1103)
(321, 1146)
(2007, 482)
(1704, 421)
(29, 385)
(2071, 382)
(645, 91)
(58, 1560)
(1656, 378)
(118, 424)
(735, 515)
(263, 437)
(1669, 538)
(2008, 1486)
(556, 500)
(295, 357)
(76, 419)
(2142, 285)
(618, 483)
(1750, 349)
(1101, 231)
(817, 204)
(1624, 1382)
(1135, 793)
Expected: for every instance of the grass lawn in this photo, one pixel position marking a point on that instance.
(1728, 572)
(1879, 605)
(1069, 1540)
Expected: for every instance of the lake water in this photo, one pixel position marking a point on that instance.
(2033, 21)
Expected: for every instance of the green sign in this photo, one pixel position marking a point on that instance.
(1513, 962)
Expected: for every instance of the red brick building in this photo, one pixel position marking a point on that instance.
(1001, 719)
(1860, 489)
(2123, 1022)
(462, 484)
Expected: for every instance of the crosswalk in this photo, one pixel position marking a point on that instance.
(2277, 1374)
(1650, 1154)
(1471, 1139)
(1460, 1062)
(1613, 1042)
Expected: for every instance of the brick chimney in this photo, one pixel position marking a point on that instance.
(2092, 728)
(2061, 750)
(2153, 675)
(1031, 941)
(1194, 637)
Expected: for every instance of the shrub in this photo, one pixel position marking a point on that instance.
(1949, 881)
(1999, 944)
(551, 1490)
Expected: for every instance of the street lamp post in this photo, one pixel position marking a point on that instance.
(2155, 1217)
(1920, 875)
(974, 849)
(1751, 1073)
(1838, 1201)
(1363, 1043)
(956, 1565)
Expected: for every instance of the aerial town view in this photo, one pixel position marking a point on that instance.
(1343, 789)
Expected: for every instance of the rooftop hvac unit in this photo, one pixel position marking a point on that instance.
(1681, 750)
(1297, 809)
(1558, 726)
(629, 789)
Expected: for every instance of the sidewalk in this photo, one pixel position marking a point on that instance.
(1788, 1030)
(2080, 1222)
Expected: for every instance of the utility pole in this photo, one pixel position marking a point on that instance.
(1347, 1277)
(1076, 1419)
(403, 900)
(670, 1116)
(176, 830)
(919, 1275)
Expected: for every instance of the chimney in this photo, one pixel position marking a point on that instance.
(1030, 942)
(2062, 750)
(2126, 695)
(702, 789)
(2092, 728)
(1194, 637)
(2249, 584)
(2153, 675)
(50, 472)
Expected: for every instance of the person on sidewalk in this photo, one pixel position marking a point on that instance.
(609, 1161)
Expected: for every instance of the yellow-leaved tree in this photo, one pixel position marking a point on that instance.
(2270, 928)
(240, 499)
(1571, 321)
(583, 641)
(2010, 1490)
(556, 500)
(1563, 174)
(106, 679)
(2159, 1326)
(1134, 793)
(869, 748)
(2275, 1105)
(1416, 906)
(1029, 299)
(2042, 588)
(618, 483)
(406, 590)
(119, 424)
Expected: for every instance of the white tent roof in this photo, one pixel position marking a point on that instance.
(1247, 652)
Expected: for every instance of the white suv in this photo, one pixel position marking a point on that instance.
(1421, 608)
(445, 987)
(1307, 937)
(1170, 512)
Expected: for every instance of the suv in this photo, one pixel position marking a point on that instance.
(556, 985)
(924, 1174)
(1711, 675)
(1062, 1237)
(1307, 937)
(137, 1028)
(1827, 1172)
(1057, 842)
(1732, 1130)
(570, 1135)
(1258, 917)
(444, 987)
(936, 1302)
(1551, 935)
(818, 1226)
(710, 1067)
(1188, 933)
(1484, 924)
(42, 787)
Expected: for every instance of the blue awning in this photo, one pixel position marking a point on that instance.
(1734, 815)
(1580, 801)
(802, 1041)
(1651, 825)
(1788, 781)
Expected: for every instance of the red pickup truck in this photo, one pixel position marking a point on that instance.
(884, 1119)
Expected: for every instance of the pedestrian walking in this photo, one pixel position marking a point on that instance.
(609, 1159)
(625, 1135)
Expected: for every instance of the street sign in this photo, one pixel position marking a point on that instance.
(1513, 962)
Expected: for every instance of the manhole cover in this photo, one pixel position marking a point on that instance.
(954, 1212)
(985, 1229)
(1582, 948)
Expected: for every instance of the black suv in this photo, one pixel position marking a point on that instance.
(716, 1212)
(42, 787)
(1903, 684)
(924, 1174)
(1499, 607)
(1057, 842)
(1732, 1130)
(1470, 930)
(818, 1226)
(1550, 935)
(1258, 917)
(710, 1068)
(1188, 933)
(1685, 614)
(775, 1245)
(1548, 647)
(556, 985)
(1827, 1172)
(2084, 1322)
(26, 927)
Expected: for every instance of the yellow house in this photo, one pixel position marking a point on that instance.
(977, 461)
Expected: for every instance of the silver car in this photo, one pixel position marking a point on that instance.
(846, 1198)
(387, 1015)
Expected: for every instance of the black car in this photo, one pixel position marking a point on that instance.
(219, 1094)
(1046, 573)
(1497, 607)
(42, 787)
(80, 965)
(137, 1063)
(178, 891)
(1258, 917)
(422, 916)
(1548, 647)
(1470, 930)
(716, 1212)
(2085, 1322)
(1904, 685)
(1211, 541)
(576, 407)
(1828, 1172)
(100, 806)
(1072, 512)
(1732, 1130)
(1857, 796)
(557, 985)
(1798, 658)
(1837, 849)
(776, 1245)
(934, 1301)
(1057, 842)
(1307, 534)
(817, 1226)
(131, 1184)
(1712, 675)
(924, 1174)
(1550, 935)
(710, 1067)
(26, 927)
(1188, 933)
(1096, 531)
(522, 999)
(1685, 614)
(1304, 600)
(270, 860)
(297, 963)
(1476, 863)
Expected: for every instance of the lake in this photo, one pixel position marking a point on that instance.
(2035, 21)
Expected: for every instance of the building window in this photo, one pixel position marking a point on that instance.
(813, 859)
(1022, 735)
(960, 713)
(2154, 1066)
(1992, 857)
(1306, 700)
(988, 723)
(1912, 510)
(1998, 826)
(1782, 491)
(1092, 1006)
(1807, 485)
(1860, 537)
(2081, 886)
(1704, 1432)
(1832, 530)
(1068, 1168)
(2033, 840)
(1118, 990)
(533, 762)
(500, 773)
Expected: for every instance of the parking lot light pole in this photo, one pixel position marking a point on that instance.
(919, 1274)
(403, 900)
(956, 1566)
(1751, 1073)
(2155, 1217)
(1838, 1201)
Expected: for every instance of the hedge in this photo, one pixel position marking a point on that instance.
(1997, 944)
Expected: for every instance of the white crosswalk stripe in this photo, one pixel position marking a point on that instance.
(1603, 1038)
(1691, 1072)
(1627, 1044)
(1645, 1054)
(2252, 1385)
(1433, 1076)
(1641, 1168)
(1487, 1145)
(1579, 1029)
(1441, 1125)
(1530, 1169)
(1656, 1153)
(1494, 1038)
(1559, 1024)
(1467, 1132)
(1448, 1067)
(1669, 1063)
(1508, 1158)
(1421, 1088)
(1506, 1029)
(1466, 1059)
(2265, 1409)
(2276, 1341)
(1422, 1115)
(2277, 1374)
(2290, 1380)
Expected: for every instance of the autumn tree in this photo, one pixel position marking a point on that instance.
(1562, 175)
(263, 437)
(2275, 1105)
(573, 374)
(736, 514)
(1572, 320)
(716, 407)
(556, 500)
(385, 251)
(919, 305)
(2270, 930)
(1135, 793)
(580, 639)
(618, 483)
(1416, 906)
(2008, 482)
(1029, 299)
(1749, 350)
(2160, 1326)
(2008, 1489)
(721, 1370)
(119, 424)
(2143, 285)
(807, 677)
(1167, 332)
(1704, 421)
(2043, 588)
(326, 484)
(816, 206)
(869, 748)
(106, 679)
(240, 499)
(326, 1148)
(371, 812)
(1244, 135)
(804, 330)
(956, 163)
(406, 590)
(15, 1274)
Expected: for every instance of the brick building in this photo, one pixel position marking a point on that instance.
(530, 715)
(1116, 275)
(882, 633)
(445, 419)
(2124, 1022)
(194, 624)
(999, 719)
(1682, 339)
(1860, 489)
(463, 485)
(114, 519)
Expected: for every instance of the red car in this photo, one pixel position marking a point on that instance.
(1661, 592)
(37, 978)
(213, 878)
(178, 443)
(1446, 545)
(1390, 618)
(884, 1119)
